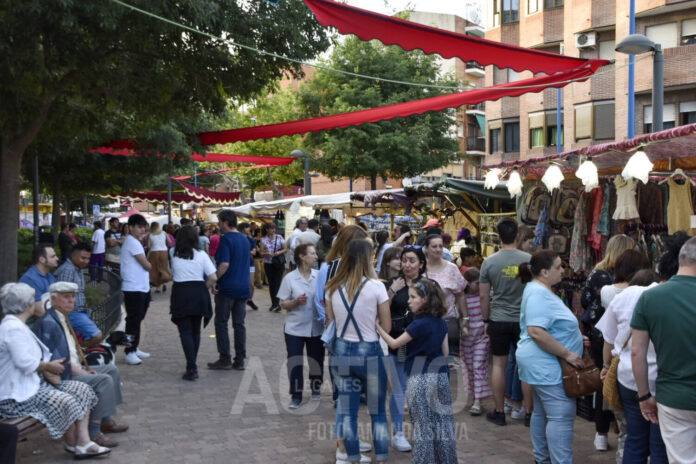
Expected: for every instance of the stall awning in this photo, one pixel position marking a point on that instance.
(481, 120)
(210, 196)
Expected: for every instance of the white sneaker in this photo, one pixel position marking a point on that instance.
(141, 354)
(601, 442)
(400, 443)
(342, 458)
(518, 414)
(132, 358)
(508, 407)
(365, 446)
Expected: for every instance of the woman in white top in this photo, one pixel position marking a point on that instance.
(643, 438)
(190, 300)
(302, 327)
(627, 264)
(158, 243)
(30, 386)
(356, 299)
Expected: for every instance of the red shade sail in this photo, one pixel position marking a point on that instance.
(369, 25)
(127, 148)
(470, 97)
(258, 166)
(157, 197)
(210, 196)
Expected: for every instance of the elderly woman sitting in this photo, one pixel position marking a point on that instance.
(30, 386)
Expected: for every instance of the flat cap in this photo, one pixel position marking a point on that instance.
(63, 287)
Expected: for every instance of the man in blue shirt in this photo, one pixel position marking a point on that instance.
(39, 276)
(232, 292)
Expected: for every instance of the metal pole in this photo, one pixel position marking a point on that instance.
(631, 74)
(195, 184)
(658, 94)
(559, 117)
(169, 198)
(307, 179)
(351, 185)
(35, 199)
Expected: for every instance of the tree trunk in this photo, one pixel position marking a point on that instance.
(373, 182)
(55, 216)
(9, 211)
(276, 192)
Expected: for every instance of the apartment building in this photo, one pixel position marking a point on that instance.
(470, 119)
(595, 111)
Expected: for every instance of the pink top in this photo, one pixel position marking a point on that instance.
(452, 282)
(214, 244)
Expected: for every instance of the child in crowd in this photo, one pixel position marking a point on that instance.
(474, 347)
(467, 259)
(428, 390)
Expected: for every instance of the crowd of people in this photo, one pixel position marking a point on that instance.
(394, 318)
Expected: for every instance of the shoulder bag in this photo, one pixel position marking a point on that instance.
(610, 388)
(580, 382)
(277, 261)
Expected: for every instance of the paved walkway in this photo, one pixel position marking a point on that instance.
(242, 417)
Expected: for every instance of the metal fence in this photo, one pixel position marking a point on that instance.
(107, 314)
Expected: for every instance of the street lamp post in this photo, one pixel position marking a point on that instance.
(636, 44)
(307, 179)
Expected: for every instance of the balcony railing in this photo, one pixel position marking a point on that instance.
(477, 107)
(476, 143)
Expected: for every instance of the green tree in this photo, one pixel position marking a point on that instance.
(74, 59)
(400, 147)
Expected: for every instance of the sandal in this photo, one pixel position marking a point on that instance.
(83, 452)
(475, 410)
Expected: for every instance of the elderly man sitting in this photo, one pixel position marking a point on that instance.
(55, 331)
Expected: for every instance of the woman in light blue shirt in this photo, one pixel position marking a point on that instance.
(302, 327)
(549, 330)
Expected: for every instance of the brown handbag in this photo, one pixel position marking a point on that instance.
(580, 382)
(610, 388)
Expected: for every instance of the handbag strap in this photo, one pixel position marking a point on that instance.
(349, 308)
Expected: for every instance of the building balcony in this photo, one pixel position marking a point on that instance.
(475, 145)
(479, 108)
(475, 69)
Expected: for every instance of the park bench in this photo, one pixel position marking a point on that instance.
(25, 424)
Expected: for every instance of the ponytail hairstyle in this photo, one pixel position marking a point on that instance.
(540, 260)
(381, 238)
(434, 297)
(644, 278)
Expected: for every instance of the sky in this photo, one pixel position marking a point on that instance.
(463, 8)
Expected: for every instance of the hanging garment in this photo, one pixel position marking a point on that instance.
(680, 208)
(650, 204)
(579, 249)
(594, 237)
(625, 199)
(541, 231)
(604, 223)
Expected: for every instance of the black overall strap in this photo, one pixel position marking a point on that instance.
(349, 308)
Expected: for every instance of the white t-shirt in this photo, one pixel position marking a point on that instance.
(99, 242)
(365, 311)
(135, 277)
(196, 269)
(615, 326)
(607, 294)
(308, 236)
(158, 242)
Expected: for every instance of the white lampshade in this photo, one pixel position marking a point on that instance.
(514, 184)
(552, 177)
(587, 172)
(638, 167)
(492, 178)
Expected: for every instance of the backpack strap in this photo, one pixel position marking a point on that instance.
(349, 308)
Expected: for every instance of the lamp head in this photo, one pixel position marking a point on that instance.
(298, 154)
(636, 44)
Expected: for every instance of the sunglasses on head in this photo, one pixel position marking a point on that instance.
(412, 247)
(421, 287)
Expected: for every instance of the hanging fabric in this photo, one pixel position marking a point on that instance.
(580, 258)
(625, 199)
(594, 237)
(680, 209)
(650, 204)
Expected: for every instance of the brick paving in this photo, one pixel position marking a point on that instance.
(242, 417)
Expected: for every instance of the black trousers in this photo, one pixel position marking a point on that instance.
(275, 277)
(315, 354)
(8, 443)
(190, 335)
(136, 308)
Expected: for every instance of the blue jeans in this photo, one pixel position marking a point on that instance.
(236, 307)
(397, 379)
(552, 425)
(513, 387)
(643, 438)
(356, 365)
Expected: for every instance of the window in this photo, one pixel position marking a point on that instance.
(687, 112)
(606, 50)
(583, 121)
(512, 136)
(512, 75)
(460, 130)
(511, 11)
(603, 120)
(533, 6)
(688, 35)
(552, 3)
(551, 135)
(668, 117)
(663, 34)
(536, 129)
(494, 135)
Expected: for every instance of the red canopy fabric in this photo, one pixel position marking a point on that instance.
(160, 197)
(127, 148)
(369, 25)
(471, 97)
(131, 212)
(258, 166)
(210, 196)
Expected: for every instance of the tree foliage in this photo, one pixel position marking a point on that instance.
(400, 147)
(101, 68)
